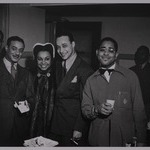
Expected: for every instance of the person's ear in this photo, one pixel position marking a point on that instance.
(73, 44)
(117, 54)
(97, 52)
(6, 48)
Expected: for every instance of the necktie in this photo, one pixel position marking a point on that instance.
(64, 69)
(13, 71)
(102, 71)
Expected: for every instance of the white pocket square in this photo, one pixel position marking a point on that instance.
(74, 80)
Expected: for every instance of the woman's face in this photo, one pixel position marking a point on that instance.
(44, 60)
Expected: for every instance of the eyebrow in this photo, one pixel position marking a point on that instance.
(44, 57)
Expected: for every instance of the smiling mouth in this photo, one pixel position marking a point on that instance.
(43, 67)
(16, 57)
(63, 55)
(105, 59)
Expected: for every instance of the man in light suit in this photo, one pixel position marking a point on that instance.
(113, 102)
(68, 125)
(16, 95)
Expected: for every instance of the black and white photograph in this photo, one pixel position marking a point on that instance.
(74, 74)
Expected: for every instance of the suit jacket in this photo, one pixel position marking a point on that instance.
(67, 108)
(14, 126)
(144, 78)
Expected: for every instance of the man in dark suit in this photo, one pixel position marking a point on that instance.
(16, 95)
(142, 70)
(68, 125)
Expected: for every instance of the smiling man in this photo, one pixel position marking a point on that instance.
(112, 101)
(16, 92)
(68, 125)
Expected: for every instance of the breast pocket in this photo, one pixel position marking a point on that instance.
(74, 86)
(124, 100)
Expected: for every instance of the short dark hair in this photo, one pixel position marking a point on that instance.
(1, 35)
(110, 39)
(142, 54)
(15, 38)
(65, 33)
(143, 48)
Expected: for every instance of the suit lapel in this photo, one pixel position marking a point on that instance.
(58, 73)
(7, 78)
(19, 74)
(70, 74)
(19, 83)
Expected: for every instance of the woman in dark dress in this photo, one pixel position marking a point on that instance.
(44, 89)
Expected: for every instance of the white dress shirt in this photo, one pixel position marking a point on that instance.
(8, 65)
(106, 74)
(69, 62)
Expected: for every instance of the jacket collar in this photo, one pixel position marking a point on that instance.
(117, 68)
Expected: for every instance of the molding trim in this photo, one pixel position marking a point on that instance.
(126, 56)
(121, 56)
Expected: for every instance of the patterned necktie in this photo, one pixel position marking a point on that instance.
(13, 71)
(102, 71)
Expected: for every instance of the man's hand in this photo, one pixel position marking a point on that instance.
(148, 125)
(77, 135)
(106, 109)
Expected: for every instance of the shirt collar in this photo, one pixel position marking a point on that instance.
(70, 61)
(112, 67)
(116, 68)
(8, 63)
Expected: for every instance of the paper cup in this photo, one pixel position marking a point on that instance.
(112, 102)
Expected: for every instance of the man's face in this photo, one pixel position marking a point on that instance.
(141, 57)
(65, 48)
(107, 54)
(44, 60)
(14, 51)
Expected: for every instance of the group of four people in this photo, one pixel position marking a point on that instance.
(65, 100)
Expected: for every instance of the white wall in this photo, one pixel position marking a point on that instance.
(28, 23)
(130, 32)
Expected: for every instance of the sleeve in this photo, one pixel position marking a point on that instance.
(81, 123)
(87, 104)
(138, 110)
(30, 95)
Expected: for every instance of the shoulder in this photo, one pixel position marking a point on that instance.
(23, 70)
(93, 76)
(147, 66)
(128, 73)
(133, 68)
(83, 64)
(84, 68)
